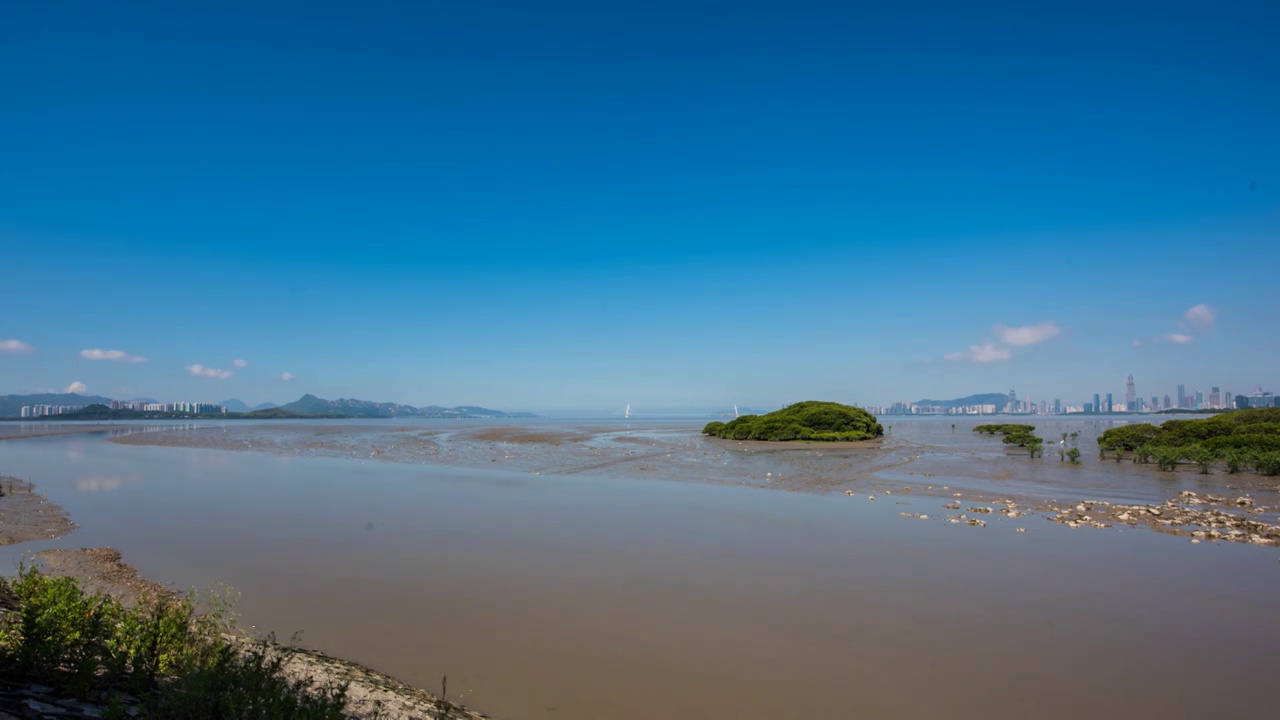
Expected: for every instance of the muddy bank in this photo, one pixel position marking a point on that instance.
(26, 515)
(919, 461)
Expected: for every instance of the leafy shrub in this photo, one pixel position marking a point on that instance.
(180, 664)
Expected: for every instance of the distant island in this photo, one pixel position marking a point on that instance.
(809, 420)
(94, 408)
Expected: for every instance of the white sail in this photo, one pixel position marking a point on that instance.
(627, 413)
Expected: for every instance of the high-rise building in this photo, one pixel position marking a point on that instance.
(1214, 400)
(1199, 399)
(1057, 406)
(1097, 403)
(1182, 396)
(1109, 405)
(1130, 395)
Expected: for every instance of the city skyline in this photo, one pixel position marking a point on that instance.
(669, 205)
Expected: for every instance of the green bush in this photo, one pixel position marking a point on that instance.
(1003, 428)
(809, 420)
(179, 663)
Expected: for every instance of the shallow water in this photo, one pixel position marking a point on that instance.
(611, 594)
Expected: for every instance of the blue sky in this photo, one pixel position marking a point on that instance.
(553, 206)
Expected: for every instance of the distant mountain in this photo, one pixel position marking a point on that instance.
(11, 405)
(234, 405)
(265, 406)
(997, 399)
(312, 405)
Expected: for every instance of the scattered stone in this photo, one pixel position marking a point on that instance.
(1244, 501)
(977, 523)
(980, 510)
(953, 505)
(1021, 530)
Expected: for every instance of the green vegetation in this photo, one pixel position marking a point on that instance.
(175, 662)
(809, 420)
(1003, 429)
(1017, 434)
(1242, 439)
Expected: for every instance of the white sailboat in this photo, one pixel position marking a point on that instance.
(735, 411)
(626, 414)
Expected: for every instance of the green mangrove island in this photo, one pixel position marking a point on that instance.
(808, 420)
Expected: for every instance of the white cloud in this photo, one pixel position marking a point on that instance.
(1200, 316)
(1178, 338)
(286, 376)
(208, 372)
(1027, 334)
(15, 347)
(76, 387)
(984, 353)
(1137, 343)
(240, 363)
(113, 355)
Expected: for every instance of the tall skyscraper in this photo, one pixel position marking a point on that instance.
(1130, 395)
(1097, 404)
(1182, 396)
(1109, 405)
(1199, 399)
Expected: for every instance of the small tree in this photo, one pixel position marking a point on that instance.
(1203, 457)
(1235, 459)
(1118, 453)
(1073, 456)
(1035, 447)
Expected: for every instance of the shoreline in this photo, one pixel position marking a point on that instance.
(24, 517)
(1225, 508)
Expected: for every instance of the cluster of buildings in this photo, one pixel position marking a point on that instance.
(1215, 399)
(192, 408)
(35, 411)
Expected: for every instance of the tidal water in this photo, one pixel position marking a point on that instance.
(614, 595)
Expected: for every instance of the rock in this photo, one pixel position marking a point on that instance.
(1244, 501)
(1186, 493)
(1199, 534)
(1194, 541)
(1081, 508)
(1154, 511)
(1022, 530)
(1073, 524)
(977, 523)
(1125, 516)
(980, 510)
(871, 497)
(952, 505)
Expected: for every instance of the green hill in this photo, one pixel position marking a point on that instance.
(809, 420)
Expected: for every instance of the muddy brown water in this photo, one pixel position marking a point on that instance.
(566, 582)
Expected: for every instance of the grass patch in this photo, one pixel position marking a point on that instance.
(169, 659)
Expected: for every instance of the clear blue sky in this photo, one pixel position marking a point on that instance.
(552, 206)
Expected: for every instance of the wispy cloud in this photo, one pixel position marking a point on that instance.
(208, 372)
(1007, 338)
(985, 353)
(15, 347)
(1201, 316)
(112, 355)
(1027, 334)
(240, 363)
(1177, 338)
(286, 376)
(77, 387)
